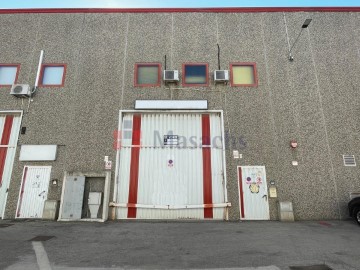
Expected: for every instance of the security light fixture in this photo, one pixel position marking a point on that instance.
(305, 25)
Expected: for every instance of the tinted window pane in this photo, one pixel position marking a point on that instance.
(243, 75)
(7, 75)
(53, 75)
(195, 74)
(148, 75)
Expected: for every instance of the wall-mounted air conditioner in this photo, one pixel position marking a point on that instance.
(171, 76)
(221, 75)
(20, 90)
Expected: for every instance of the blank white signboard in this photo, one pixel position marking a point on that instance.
(171, 104)
(38, 152)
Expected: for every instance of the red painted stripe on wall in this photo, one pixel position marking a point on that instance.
(5, 141)
(207, 178)
(22, 191)
(181, 10)
(134, 165)
(242, 211)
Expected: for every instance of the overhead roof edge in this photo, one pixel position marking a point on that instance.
(181, 10)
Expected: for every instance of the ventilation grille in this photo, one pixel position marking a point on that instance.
(220, 75)
(18, 89)
(349, 160)
(169, 75)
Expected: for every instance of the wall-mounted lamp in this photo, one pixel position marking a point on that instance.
(305, 25)
(54, 182)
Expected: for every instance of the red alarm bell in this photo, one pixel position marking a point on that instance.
(293, 144)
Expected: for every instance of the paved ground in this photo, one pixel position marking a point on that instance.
(179, 245)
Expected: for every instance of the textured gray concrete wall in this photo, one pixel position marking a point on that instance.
(313, 99)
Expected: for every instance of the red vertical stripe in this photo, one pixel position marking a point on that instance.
(22, 191)
(242, 212)
(134, 165)
(5, 141)
(207, 179)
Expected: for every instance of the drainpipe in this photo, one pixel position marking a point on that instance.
(38, 71)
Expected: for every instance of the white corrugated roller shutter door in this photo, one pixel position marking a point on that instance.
(159, 181)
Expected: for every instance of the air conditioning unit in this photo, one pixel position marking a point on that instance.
(171, 75)
(221, 75)
(20, 90)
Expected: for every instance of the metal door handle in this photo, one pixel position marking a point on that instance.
(265, 196)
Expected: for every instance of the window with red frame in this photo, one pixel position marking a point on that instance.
(195, 74)
(8, 74)
(147, 74)
(52, 75)
(243, 74)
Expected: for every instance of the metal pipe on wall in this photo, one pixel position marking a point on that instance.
(39, 69)
(37, 78)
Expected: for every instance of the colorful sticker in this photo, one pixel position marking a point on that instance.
(259, 177)
(254, 188)
(170, 163)
(259, 180)
(248, 180)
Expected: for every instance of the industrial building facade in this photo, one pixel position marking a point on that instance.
(179, 113)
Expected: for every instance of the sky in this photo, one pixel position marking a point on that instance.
(4, 4)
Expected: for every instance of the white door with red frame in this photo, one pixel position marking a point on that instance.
(33, 191)
(9, 132)
(253, 193)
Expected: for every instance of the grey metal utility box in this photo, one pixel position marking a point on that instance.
(286, 212)
(73, 197)
(51, 210)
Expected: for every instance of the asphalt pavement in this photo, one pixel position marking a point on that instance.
(261, 245)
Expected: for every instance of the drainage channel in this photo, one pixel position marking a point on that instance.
(5, 225)
(311, 267)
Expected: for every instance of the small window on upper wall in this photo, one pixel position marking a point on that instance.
(52, 75)
(243, 74)
(195, 74)
(147, 74)
(8, 74)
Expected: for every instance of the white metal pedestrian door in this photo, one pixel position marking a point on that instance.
(254, 204)
(73, 196)
(33, 191)
(9, 131)
(171, 166)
